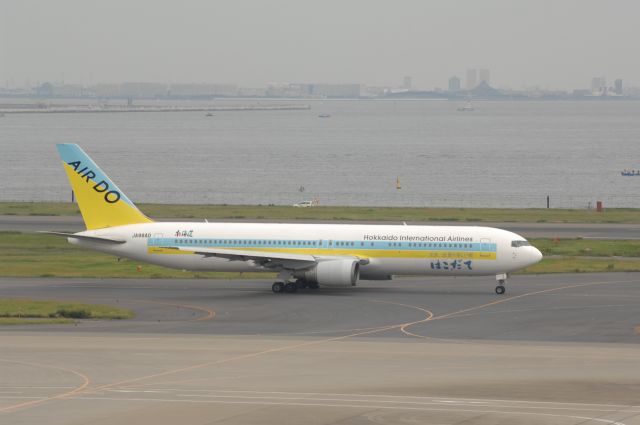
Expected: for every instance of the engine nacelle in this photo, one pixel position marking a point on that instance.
(336, 273)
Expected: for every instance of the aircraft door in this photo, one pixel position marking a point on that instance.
(485, 248)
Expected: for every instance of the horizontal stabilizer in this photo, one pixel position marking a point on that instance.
(86, 238)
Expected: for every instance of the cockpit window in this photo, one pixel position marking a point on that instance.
(517, 244)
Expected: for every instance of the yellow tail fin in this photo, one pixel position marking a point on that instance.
(101, 203)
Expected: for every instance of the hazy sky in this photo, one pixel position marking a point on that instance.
(545, 43)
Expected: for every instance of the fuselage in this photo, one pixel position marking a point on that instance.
(386, 250)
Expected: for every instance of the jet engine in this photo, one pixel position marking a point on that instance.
(335, 273)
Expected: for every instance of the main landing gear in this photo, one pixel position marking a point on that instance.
(502, 280)
(291, 287)
(283, 285)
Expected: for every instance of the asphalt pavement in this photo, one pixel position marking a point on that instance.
(555, 349)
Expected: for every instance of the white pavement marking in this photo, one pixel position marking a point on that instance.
(355, 406)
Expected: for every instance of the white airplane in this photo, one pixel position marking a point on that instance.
(303, 255)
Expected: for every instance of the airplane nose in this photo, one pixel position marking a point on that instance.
(536, 255)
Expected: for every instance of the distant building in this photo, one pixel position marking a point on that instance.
(406, 82)
(472, 79)
(68, 90)
(581, 93)
(485, 91)
(617, 88)
(106, 90)
(45, 90)
(291, 90)
(225, 90)
(485, 76)
(454, 83)
(336, 90)
(598, 85)
(203, 90)
(374, 91)
(143, 90)
(277, 89)
(191, 90)
(252, 92)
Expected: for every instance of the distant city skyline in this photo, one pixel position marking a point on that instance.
(477, 86)
(470, 79)
(541, 43)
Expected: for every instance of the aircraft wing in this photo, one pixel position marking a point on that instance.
(266, 259)
(275, 260)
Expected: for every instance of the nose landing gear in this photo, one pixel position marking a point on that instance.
(502, 280)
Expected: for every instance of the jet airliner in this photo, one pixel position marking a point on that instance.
(302, 255)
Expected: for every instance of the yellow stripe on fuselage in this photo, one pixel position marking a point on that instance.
(362, 253)
(161, 250)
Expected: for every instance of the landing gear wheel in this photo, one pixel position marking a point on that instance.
(301, 284)
(277, 287)
(290, 287)
(500, 289)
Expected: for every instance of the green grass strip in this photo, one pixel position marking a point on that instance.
(38, 255)
(588, 247)
(18, 321)
(22, 308)
(582, 265)
(398, 214)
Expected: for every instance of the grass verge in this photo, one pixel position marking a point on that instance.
(37, 255)
(588, 247)
(15, 311)
(22, 321)
(399, 214)
(582, 265)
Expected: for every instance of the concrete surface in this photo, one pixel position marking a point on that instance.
(556, 349)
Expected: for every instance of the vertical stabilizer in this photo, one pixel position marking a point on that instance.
(101, 202)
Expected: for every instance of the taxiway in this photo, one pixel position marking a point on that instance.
(556, 349)
(531, 230)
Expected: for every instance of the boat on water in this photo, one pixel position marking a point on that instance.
(209, 114)
(324, 115)
(466, 108)
(630, 173)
